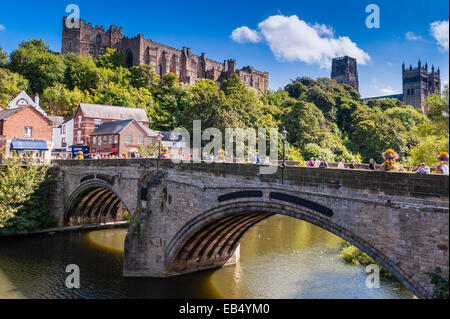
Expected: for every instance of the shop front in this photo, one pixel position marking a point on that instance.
(31, 150)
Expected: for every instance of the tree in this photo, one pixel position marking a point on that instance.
(437, 109)
(36, 63)
(3, 58)
(143, 76)
(81, 72)
(60, 101)
(427, 150)
(11, 84)
(111, 59)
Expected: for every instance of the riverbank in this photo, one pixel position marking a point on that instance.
(52, 231)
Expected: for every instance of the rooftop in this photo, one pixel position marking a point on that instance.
(119, 113)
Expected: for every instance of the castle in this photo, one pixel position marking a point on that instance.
(418, 83)
(88, 40)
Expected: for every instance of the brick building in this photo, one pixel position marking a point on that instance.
(119, 137)
(89, 117)
(25, 132)
(88, 40)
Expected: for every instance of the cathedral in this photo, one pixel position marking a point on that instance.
(88, 40)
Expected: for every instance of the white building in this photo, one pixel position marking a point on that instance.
(63, 139)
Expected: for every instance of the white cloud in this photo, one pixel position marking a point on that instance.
(2, 27)
(387, 91)
(412, 37)
(292, 39)
(439, 30)
(245, 35)
(390, 64)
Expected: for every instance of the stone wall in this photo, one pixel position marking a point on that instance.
(191, 217)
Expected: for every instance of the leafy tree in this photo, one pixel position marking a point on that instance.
(36, 63)
(437, 110)
(3, 58)
(143, 76)
(81, 72)
(23, 197)
(11, 84)
(111, 59)
(60, 101)
(427, 150)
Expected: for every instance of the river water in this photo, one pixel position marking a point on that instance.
(280, 258)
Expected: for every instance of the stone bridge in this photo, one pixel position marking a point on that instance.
(192, 217)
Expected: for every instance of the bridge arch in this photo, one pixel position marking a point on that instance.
(211, 239)
(94, 202)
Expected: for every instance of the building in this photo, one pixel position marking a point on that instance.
(89, 117)
(345, 71)
(23, 99)
(418, 83)
(63, 139)
(25, 132)
(119, 137)
(93, 41)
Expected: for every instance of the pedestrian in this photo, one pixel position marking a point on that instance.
(311, 162)
(323, 163)
(318, 162)
(341, 164)
(372, 164)
(352, 165)
(423, 169)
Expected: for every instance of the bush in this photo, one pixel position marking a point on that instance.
(440, 284)
(23, 198)
(352, 255)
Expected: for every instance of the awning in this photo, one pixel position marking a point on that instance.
(29, 146)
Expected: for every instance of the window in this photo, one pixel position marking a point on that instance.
(64, 129)
(79, 137)
(116, 139)
(70, 45)
(94, 140)
(99, 141)
(412, 91)
(98, 39)
(110, 140)
(102, 51)
(140, 140)
(104, 139)
(28, 131)
(63, 142)
(128, 140)
(79, 121)
(97, 123)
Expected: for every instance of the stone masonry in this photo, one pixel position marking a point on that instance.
(93, 41)
(191, 217)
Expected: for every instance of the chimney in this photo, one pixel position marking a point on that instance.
(36, 100)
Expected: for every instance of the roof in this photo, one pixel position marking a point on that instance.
(171, 137)
(56, 120)
(112, 127)
(29, 145)
(117, 127)
(4, 114)
(114, 112)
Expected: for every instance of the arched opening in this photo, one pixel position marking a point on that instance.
(211, 239)
(173, 64)
(94, 204)
(129, 58)
(98, 39)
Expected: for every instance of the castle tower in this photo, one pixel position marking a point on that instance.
(418, 83)
(345, 71)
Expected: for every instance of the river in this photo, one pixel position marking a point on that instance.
(280, 258)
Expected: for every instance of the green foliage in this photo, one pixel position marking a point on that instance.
(353, 255)
(111, 59)
(3, 58)
(143, 76)
(11, 84)
(23, 198)
(427, 150)
(60, 101)
(150, 150)
(81, 72)
(35, 62)
(440, 284)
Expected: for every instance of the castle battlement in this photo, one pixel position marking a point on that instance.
(94, 41)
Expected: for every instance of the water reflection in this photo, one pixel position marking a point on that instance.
(280, 258)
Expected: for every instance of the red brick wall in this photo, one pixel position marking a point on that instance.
(14, 127)
(87, 127)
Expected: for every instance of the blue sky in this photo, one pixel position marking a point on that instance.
(278, 38)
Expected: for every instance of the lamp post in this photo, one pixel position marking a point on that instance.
(284, 134)
(160, 136)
